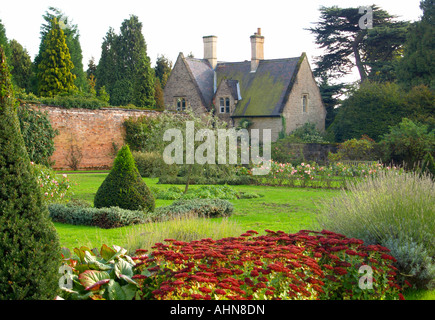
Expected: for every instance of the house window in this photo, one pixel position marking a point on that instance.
(224, 105)
(181, 104)
(304, 103)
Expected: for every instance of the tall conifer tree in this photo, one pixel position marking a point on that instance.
(29, 245)
(55, 70)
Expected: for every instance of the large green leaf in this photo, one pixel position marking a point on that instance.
(115, 291)
(122, 267)
(90, 277)
(107, 253)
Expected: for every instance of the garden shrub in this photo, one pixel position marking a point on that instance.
(38, 134)
(364, 149)
(106, 218)
(231, 180)
(55, 188)
(151, 165)
(277, 266)
(201, 207)
(105, 274)
(124, 187)
(390, 209)
(70, 101)
(409, 142)
(29, 244)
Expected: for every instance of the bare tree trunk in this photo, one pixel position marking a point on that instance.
(188, 178)
(358, 62)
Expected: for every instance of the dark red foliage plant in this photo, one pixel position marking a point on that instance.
(276, 266)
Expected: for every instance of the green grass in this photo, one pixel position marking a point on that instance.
(279, 208)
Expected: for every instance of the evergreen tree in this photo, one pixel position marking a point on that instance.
(29, 245)
(373, 52)
(107, 70)
(21, 63)
(92, 68)
(418, 64)
(124, 187)
(55, 69)
(124, 67)
(158, 95)
(4, 40)
(72, 39)
(162, 70)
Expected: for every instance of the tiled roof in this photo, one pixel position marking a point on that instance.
(263, 92)
(204, 77)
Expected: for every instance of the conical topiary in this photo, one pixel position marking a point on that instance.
(29, 246)
(124, 187)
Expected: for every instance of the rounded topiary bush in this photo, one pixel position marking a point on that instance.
(29, 245)
(124, 186)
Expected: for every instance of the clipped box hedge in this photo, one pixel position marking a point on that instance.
(209, 208)
(106, 218)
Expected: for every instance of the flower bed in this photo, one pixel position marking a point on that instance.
(306, 265)
(313, 175)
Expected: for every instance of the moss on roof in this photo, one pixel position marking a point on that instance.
(265, 91)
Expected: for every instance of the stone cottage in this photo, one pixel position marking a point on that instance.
(276, 94)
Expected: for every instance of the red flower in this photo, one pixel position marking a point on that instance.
(340, 271)
(219, 291)
(205, 290)
(401, 297)
(254, 273)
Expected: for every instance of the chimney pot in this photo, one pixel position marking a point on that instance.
(257, 49)
(210, 50)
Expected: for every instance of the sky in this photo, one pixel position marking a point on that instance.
(173, 26)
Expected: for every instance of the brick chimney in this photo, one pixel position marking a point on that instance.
(210, 44)
(257, 49)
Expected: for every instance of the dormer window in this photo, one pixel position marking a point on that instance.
(181, 104)
(224, 105)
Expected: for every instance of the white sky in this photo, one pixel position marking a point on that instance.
(173, 26)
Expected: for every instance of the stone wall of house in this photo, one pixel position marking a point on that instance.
(96, 134)
(181, 85)
(293, 111)
(272, 123)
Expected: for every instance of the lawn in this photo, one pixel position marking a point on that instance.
(279, 208)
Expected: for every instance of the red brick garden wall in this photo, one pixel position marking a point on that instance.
(92, 132)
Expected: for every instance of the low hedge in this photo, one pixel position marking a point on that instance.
(106, 218)
(202, 207)
(234, 180)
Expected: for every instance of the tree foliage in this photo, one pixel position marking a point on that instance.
(124, 67)
(38, 134)
(72, 40)
(418, 65)
(29, 245)
(55, 69)
(409, 142)
(21, 63)
(373, 51)
(163, 69)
